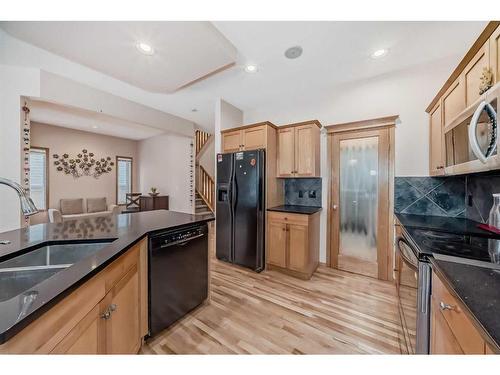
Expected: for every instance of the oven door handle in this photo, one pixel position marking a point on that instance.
(403, 256)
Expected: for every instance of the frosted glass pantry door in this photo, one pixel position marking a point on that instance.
(358, 204)
(360, 201)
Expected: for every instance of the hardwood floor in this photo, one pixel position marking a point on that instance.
(335, 312)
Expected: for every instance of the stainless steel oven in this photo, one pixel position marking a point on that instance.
(414, 293)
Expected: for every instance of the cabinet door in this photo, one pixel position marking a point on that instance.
(254, 138)
(277, 244)
(231, 141)
(472, 74)
(442, 339)
(121, 328)
(436, 163)
(305, 151)
(286, 152)
(453, 101)
(83, 338)
(298, 252)
(495, 55)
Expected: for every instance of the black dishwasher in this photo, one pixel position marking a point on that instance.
(178, 274)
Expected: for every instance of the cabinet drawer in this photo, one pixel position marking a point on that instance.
(288, 218)
(464, 331)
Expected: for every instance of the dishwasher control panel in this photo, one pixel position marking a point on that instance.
(178, 236)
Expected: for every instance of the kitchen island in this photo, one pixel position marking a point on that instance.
(111, 265)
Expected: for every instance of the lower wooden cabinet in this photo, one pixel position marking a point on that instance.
(120, 316)
(277, 244)
(452, 332)
(106, 315)
(293, 243)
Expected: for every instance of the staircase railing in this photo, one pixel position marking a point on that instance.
(201, 139)
(206, 187)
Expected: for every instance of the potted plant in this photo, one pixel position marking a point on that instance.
(154, 192)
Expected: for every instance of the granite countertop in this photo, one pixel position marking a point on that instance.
(475, 284)
(444, 224)
(120, 232)
(294, 209)
(478, 288)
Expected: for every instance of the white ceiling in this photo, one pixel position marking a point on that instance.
(183, 51)
(76, 118)
(335, 53)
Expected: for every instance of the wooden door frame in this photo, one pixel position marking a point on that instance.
(368, 126)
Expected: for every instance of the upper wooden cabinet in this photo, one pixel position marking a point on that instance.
(453, 101)
(232, 141)
(248, 137)
(299, 150)
(473, 72)
(436, 142)
(458, 95)
(495, 54)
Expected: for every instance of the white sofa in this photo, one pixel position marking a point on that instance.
(73, 209)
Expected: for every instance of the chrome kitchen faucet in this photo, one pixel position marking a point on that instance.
(27, 206)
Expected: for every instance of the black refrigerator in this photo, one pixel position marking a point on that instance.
(240, 208)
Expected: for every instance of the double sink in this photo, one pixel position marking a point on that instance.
(19, 274)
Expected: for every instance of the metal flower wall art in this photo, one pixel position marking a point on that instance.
(84, 164)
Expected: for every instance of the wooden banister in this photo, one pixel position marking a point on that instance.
(201, 139)
(206, 187)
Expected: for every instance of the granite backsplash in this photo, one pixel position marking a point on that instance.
(468, 196)
(303, 191)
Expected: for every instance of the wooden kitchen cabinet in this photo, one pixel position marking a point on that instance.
(452, 332)
(248, 137)
(254, 138)
(436, 159)
(120, 316)
(294, 243)
(231, 141)
(473, 72)
(83, 338)
(286, 152)
(299, 150)
(78, 324)
(458, 94)
(277, 243)
(495, 54)
(453, 101)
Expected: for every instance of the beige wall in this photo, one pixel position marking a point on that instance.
(207, 159)
(164, 163)
(63, 140)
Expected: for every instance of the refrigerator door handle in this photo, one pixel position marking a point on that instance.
(260, 194)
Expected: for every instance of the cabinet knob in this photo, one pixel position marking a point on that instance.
(334, 207)
(113, 307)
(106, 315)
(444, 306)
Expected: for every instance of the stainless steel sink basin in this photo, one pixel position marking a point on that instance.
(21, 273)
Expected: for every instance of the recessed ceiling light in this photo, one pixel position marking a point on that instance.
(94, 126)
(293, 52)
(145, 48)
(379, 53)
(250, 68)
